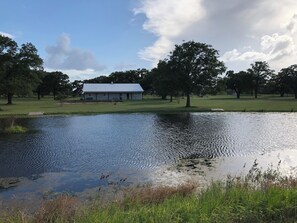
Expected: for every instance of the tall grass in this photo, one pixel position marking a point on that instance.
(8, 126)
(258, 197)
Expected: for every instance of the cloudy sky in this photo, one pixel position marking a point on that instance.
(85, 39)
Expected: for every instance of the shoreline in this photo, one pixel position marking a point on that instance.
(141, 112)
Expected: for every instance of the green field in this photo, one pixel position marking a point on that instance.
(22, 106)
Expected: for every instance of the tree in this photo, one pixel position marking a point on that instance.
(18, 68)
(281, 82)
(147, 83)
(197, 66)
(42, 88)
(289, 75)
(57, 83)
(77, 88)
(130, 76)
(239, 82)
(261, 72)
(165, 80)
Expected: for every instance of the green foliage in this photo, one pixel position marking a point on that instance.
(258, 197)
(261, 73)
(165, 80)
(287, 79)
(16, 129)
(239, 82)
(18, 68)
(77, 88)
(8, 126)
(197, 65)
(57, 83)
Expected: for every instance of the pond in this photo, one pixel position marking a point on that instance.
(75, 153)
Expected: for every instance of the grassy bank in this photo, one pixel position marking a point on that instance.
(258, 197)
(22, 106)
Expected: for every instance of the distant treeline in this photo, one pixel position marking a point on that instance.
(191, 68)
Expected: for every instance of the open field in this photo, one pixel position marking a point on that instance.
(22, 106)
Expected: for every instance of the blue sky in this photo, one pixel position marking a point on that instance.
(89, 38)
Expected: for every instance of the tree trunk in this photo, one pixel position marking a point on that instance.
(256, 92)
(295, 92)
(282, 94)
(163, 97)
(237, 93)
(188, 101)
(9, 99)
(170, 98)
(38, 95)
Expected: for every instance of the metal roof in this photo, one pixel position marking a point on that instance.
(112, 88)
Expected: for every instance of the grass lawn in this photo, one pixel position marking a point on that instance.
(22, 106)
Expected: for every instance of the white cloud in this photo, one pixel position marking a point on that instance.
(63, 57)
(157, 51)
(7, 35)
(292, 26)
(276, 49)
(167, 20)
(79, 74)
(255, 30)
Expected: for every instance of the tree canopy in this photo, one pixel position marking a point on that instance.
(18, 68)
(197, 66)
(261, 73)
(239, 82)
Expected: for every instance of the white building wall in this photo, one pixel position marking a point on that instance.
(112, 96)
(136, 96)
(102, 97)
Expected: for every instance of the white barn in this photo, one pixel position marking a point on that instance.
(112, 92)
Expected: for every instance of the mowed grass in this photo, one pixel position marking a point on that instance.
(22, 106)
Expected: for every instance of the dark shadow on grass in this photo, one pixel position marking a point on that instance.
(232, 99)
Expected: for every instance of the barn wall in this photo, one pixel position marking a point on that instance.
(112, 96)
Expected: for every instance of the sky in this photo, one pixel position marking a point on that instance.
(86, 39)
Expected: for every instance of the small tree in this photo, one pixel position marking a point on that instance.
(197, 65)
(57, 83)
(261, 72)
(290, 75)
(165, 80)
(239, 82)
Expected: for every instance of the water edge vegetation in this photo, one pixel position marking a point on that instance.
(260, 196)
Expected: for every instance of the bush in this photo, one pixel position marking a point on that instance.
(15, 129)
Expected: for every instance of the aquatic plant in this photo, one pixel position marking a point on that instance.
(16, 129)
(8, 126)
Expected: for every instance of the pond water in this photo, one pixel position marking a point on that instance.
(74, 153)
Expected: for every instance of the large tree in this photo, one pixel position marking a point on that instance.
(197, 66)
(18, 68)
(261, 73)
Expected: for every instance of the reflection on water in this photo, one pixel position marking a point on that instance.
(71, 154)
(140, 141)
